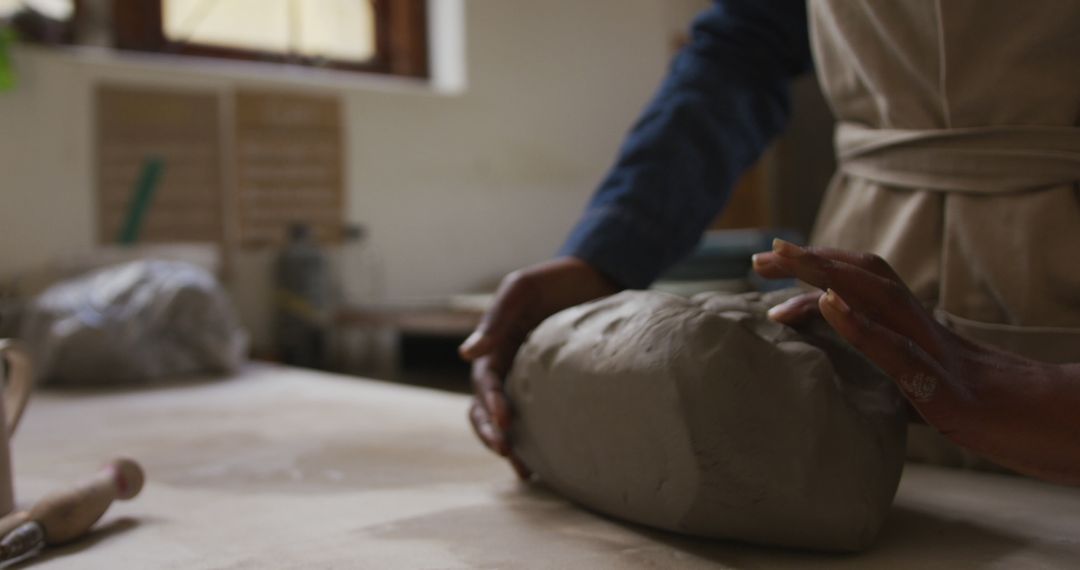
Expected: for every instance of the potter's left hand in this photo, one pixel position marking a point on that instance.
(1015, 411)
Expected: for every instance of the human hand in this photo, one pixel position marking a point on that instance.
(524, 299)
(1015, 411)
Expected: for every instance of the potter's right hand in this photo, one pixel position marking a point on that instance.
(524, 299)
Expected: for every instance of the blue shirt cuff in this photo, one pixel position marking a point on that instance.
(620, 243)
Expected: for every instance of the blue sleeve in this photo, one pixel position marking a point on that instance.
(724, 99)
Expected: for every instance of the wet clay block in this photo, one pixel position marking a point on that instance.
(701, 416)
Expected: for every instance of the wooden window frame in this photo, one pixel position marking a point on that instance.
(401, 39)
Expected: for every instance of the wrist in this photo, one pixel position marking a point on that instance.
(596, 278)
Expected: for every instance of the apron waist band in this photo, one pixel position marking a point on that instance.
(975, 160)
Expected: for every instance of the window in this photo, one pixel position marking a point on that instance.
(387, 36)
(58, 10)
(384, 36)
(319, 30)
(43, 21)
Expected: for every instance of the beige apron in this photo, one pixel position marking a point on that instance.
(958, 142)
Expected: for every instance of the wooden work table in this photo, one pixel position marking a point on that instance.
(282, 468)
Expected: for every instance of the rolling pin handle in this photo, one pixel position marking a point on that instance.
(127, 476)
(67, 515)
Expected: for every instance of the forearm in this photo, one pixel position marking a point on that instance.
(1028, 418)
(1053, 408)
(724, 100)
(1015, 411)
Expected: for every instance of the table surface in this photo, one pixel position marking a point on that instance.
(283, 468)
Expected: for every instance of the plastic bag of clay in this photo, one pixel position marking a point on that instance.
(133, 323)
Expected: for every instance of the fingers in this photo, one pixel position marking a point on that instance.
(766, 265)
(884, 300)
(495, 439)
(477, 345)
(491, 437)
(523, 472)
(920, 377)
(490, 413)
(797, 309)
(487, 387)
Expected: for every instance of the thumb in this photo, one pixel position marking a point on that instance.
(478, 344)
(502, 319)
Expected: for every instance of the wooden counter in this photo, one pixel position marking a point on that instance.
(282, 468)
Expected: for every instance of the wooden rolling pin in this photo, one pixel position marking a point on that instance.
(66, 515)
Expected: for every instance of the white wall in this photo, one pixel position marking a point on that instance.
(455, 190)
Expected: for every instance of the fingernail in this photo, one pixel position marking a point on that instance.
(782, 307)
(773, 312)
(837, 303)
(786, 248)
(470, 343)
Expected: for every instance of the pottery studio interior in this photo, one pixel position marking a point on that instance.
(563, 284)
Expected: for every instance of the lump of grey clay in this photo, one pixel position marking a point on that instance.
(702, 417)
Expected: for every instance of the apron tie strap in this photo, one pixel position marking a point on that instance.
(974, 160)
